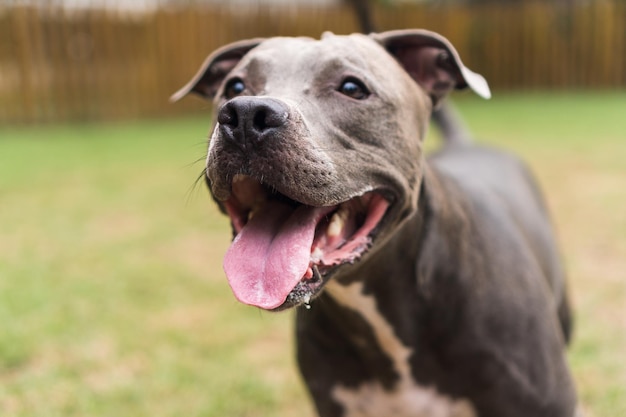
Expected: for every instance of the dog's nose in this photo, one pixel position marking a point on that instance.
(250, 120)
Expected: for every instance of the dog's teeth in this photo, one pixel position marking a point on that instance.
(336, 223)
(256, 206)
(316, 255)
(252, 212)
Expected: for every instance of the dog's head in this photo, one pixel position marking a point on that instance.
(315, 152)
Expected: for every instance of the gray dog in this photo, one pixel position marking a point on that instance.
(435, 284)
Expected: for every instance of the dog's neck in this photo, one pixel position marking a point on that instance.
(372, 311)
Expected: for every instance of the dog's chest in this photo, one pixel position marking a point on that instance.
(406, 398)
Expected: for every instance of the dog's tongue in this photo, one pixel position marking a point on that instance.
(271, 254)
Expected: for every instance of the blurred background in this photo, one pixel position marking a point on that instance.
(78, 60)
(112, 297)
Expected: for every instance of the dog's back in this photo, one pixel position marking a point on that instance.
(503, 194)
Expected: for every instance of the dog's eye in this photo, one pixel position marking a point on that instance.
(234, 88)
(354, 88)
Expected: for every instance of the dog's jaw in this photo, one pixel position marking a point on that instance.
(285, 251)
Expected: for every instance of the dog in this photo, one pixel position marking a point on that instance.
(422, 286)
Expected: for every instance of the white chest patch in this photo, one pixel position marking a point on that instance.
(407, 398)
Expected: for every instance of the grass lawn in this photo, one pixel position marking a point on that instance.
(112, 296)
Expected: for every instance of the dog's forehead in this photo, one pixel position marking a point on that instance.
(285, 55)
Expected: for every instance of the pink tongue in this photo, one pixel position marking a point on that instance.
(271, 254)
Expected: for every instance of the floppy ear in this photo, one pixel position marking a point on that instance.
(215, 67)
(431, 60)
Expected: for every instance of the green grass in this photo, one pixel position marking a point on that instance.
(112, 296)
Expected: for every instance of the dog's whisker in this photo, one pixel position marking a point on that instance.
(194, 186)
(200, 159)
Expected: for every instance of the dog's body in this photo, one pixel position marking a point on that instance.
(469, 315)
(438, 287)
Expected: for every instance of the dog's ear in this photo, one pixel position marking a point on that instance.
(431, 60)
(215, 67)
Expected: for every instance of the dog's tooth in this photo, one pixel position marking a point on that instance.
(256, 205)
(317, 254)
(252, 212)
(336, 223)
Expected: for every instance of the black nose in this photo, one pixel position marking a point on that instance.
(249, 121)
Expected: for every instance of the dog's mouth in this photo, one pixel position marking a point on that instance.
(283, 250)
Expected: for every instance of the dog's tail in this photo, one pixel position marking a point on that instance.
(450, 124)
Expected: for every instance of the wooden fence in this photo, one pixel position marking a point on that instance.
(93, 64)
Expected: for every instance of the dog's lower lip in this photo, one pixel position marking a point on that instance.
(304, 292)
